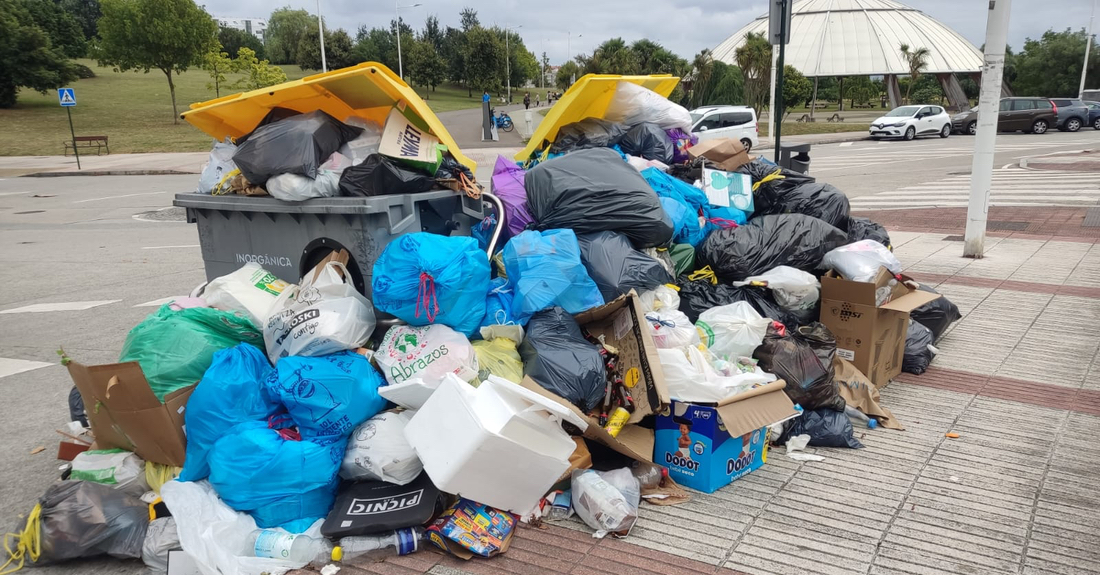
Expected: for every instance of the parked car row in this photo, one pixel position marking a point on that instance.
(1035, 115)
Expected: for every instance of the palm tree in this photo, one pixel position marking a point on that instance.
(917, 61)
(754, 57)
(702, 67)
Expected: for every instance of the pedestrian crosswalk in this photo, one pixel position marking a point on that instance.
(1010, 187)
(892, 152)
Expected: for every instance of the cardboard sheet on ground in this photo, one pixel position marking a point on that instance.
(860, 393)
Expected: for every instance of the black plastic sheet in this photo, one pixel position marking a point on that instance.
(822, 201)
(588, 133)
(936, 315)
(794, 240)
(377, 175)
(558, 357)
(864, 229)
(804, 359)
(826, 428)
(86, 519)
(917, 353)
(649, 141)
(295, 145)
(697, 296)
(617, 267)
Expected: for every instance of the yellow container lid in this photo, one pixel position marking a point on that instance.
(589, 98)
(368, 90)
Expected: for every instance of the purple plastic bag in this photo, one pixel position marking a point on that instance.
(508, 186)
(681, 141)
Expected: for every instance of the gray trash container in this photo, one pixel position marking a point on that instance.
(290, 238)
(795, 157)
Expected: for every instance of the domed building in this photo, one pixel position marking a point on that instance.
(863, 38)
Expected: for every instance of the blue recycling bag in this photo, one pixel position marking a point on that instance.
(546, 270)
(280, 482)
(498, 304)
(721, 217)
(230, 392)
(667, 186)
(483, 233)
(684, 220)
(425, 278)
(327, 396)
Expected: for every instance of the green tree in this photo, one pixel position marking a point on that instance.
(426, 67)
(469, 19)
(917, 61)
(376, 45)
(27, 58)
(257, 73)
(970, 87)
(611, 57)
(858, 90)
(724, 85)
(63, 28)
(1051, 65)
(927, 90)
(702, 70)
(454, 53)
(796, 88)
(167, 35)
(484, 59)
(233, 39)
(217, 64)
(285, 28)
(754, 58)
(565, 74)
(339, 49)
(87, 14)
(432, 33)
(522, 64)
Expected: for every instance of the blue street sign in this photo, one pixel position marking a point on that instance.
(66, 96)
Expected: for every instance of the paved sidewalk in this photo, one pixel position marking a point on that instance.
(1083, 161)
(1018, 378)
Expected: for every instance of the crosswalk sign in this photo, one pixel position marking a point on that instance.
(66, 96)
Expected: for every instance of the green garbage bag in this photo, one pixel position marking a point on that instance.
(174, 348)
(683, 256)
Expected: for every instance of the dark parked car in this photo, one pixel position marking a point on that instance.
(1094, 114)
(1035, 115)
(1072, 114)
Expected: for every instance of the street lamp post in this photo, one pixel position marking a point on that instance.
(508, 61)
(569, 49)
(397, 11)
(1088, 45)
(321, 30)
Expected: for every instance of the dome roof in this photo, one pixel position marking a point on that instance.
(861, 38)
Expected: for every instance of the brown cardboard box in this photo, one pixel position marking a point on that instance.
(725, 153)
(123, 412)
(872, 338)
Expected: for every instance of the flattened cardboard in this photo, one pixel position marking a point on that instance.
(725, 153)
(756, 408)
(859, 393)
(123, 412)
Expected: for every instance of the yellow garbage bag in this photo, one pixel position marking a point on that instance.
(500, 357)
(157, 474)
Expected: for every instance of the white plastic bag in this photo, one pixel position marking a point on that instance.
(217, 167)
(378, 450)
(120, 469)
(297, 188)
(642, 163)
(365, 144)
(214, 535)
(660, 298)
(321, 316)
(671, 328)
(633, 104)
(606, 501)
(251, 289)
(160, 538)
(859, 262)
(731, 331)
(793, 288)
(690, 376)
(425, 353)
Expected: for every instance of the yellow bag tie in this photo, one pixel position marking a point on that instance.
(776, 175)
(218, 191)
(28, 543)
(704, 274)
(673, 286)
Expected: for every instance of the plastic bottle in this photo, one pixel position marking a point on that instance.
(400, 542)
(857, 415)
(277, 544)
(648, 474)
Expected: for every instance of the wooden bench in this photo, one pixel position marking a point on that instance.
(97, 142)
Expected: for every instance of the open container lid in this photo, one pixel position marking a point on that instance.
(589, 98)
(368, 90)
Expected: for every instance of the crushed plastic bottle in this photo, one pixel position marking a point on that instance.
(858, 416)
(277, 544)
(399, 542)
(882, 294)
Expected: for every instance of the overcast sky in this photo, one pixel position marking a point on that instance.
(684, 26)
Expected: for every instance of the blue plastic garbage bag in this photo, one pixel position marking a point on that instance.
(721, 217)
(684, 220)
(546, 270)
(327, 396)
(667, 186)
(483, 233)
(280, 482)
(498, 304)
(231, 392)
(426, 278)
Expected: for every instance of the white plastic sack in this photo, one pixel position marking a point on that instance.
(642, 163)
(633, 104)
(251, 289)
(606, 501)
(671, 328)
(120, 469)
(793, 288)
(859, 262)
(425, 353)
(689, 376)
(213, 534)
(660, 298)
(319, 317)
(160, 538)
(731, 331)
(217, 167)
(378, 450)
(365, 144)
(297, 188)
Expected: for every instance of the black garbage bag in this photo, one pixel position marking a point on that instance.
(794, 240)
(617, 267)
(273, 115)
(295, 145)
(558, 357)
(822, 201)
(377, 175)
(86, 519)
(936, 315)
(799, 358)
(826, 428)
(918, 353)
(772, 185)
(697, 296)
(450, 169)
(588, 133)
(864, 229)
(649, 141)
(594, 191)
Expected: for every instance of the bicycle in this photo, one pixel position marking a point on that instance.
(503, 121)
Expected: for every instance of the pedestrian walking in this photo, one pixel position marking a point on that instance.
(537, 100)
(527, 100)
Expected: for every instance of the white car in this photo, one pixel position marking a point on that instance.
(734, 122)
(908, 122)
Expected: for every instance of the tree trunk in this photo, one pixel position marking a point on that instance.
(172, 89)
(840, 92)
(909, 88)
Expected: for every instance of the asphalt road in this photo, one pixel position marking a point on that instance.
(96, 256)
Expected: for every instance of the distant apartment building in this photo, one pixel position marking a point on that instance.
(254, 26)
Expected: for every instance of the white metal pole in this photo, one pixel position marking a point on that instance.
(400, 68)
(321, 29)
(771, 101)
(981, 171)
(508, 63)
(1088, 45)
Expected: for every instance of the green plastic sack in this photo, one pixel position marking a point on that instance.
(174, 348)
(683, 255)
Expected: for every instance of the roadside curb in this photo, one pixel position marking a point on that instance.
(1037, 162)
(109, 173)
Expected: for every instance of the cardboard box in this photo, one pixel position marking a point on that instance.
(123, 412)
(871, 337)
(725, 153)
(468, 528)
(620, 322)
(706, 447)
